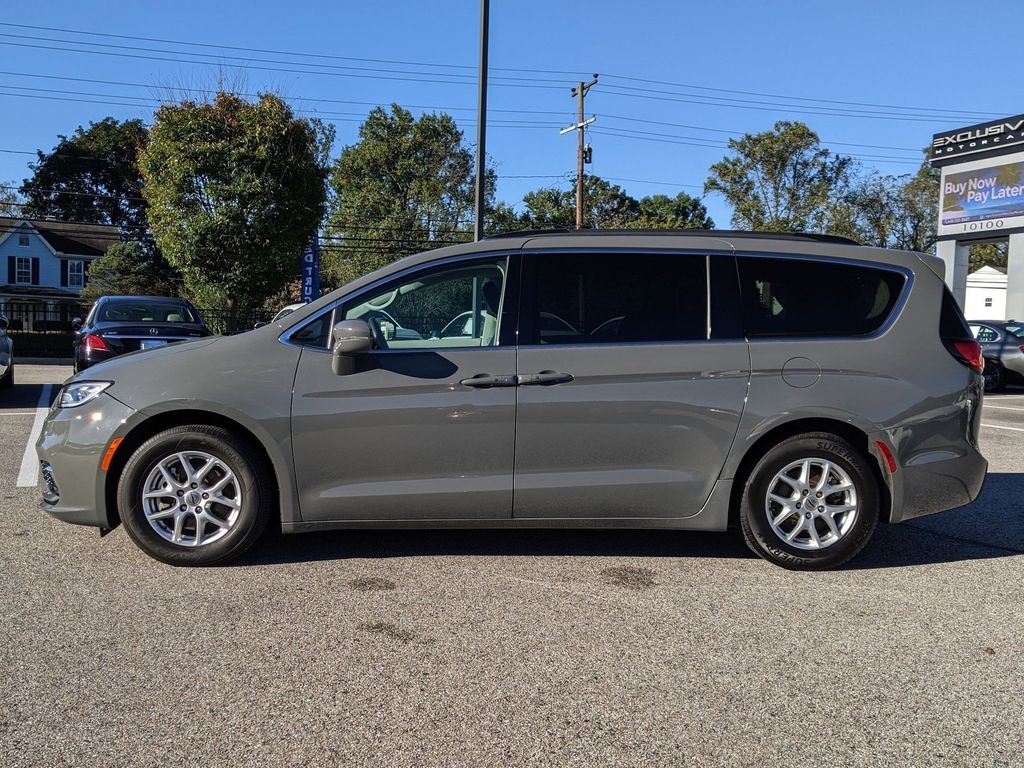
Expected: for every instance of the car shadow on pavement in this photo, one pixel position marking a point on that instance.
(991, 527)
(331, 545)
(24, 397)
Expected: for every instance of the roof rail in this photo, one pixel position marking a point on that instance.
(726, 233)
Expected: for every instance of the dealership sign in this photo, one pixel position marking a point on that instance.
(982, 197)
(994, 136)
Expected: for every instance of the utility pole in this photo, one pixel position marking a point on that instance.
(481, 125)
(580, 92)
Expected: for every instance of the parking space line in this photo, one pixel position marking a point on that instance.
(17, 413)
(28, 475)
(1001, 407)
(1000, 426)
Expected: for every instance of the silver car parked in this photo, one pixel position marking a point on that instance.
(801, 388)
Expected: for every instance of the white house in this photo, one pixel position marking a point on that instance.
(986, 294)
(46, 265)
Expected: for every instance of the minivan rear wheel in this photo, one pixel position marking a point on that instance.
(810, 503)
(194, 495)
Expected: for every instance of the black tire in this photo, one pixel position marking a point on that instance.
(995, 376)
(248, 466)
(7, 380)
(754, 521)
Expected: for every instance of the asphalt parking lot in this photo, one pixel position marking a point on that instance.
(514, 648)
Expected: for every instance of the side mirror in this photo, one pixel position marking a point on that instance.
(351, 337)
(258, 325)
(76, 323)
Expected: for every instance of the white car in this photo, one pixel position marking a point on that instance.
(286, 311)
(6, 356)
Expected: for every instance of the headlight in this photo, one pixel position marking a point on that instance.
(81, 392)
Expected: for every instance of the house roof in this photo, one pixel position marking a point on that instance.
(68, 237)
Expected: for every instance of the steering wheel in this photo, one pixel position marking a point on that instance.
(378, 334)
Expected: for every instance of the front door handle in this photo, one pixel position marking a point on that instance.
(545, 378)
(485, 381)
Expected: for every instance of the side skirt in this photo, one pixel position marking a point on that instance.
(714, 516)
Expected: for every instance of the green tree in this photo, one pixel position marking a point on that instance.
(887, 211)
(779, 180)
(235, 191)
(605, 206)
(680, 212)
(93, 176)
(123, 271)
(405, 186)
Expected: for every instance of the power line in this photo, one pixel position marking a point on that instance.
(782, 108)
(571, 73)
(798, 98)
(574, 74)
(669, 139)
(186, 89)
(263, 67)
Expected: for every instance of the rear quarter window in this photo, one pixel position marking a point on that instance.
(808, 298)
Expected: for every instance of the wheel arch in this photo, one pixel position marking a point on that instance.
(856, 437)
(143, 430)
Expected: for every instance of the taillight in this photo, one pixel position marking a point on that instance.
(1021, 348)
(968, 353)
(93, 343)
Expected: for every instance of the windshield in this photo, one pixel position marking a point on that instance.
(127, 311)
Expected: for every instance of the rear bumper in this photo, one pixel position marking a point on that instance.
(71, 446)
(940, 485)
(939, 465)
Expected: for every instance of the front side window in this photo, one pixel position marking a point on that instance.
(801, 297)
(23, 271)
(457, 305)
(597, 298)
(76, 273)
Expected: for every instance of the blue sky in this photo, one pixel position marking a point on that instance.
(885, 74)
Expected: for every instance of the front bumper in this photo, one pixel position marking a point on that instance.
(71, 447)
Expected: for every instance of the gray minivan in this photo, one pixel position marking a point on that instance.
(801, 388)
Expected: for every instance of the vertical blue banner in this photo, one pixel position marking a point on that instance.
(311, 270)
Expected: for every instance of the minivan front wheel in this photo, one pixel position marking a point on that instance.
(810, 503)
(194, 495)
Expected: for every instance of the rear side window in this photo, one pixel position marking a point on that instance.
(952, 324)
(801, 297)
(594, 298)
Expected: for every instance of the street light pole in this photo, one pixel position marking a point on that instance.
(481, 125)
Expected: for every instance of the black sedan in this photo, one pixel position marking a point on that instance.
(1002, 345)
(119, 324)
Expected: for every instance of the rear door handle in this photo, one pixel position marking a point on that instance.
(486, 381)
(545, 378)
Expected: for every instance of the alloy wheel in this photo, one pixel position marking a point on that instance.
(191, 498)
(811, 503)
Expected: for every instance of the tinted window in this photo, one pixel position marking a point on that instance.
(315, 332)
(799, 297)
(127, 311)
(1016, 330)
(609, 298)
(951, 320)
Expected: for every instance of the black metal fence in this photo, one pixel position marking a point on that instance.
(44, 327)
